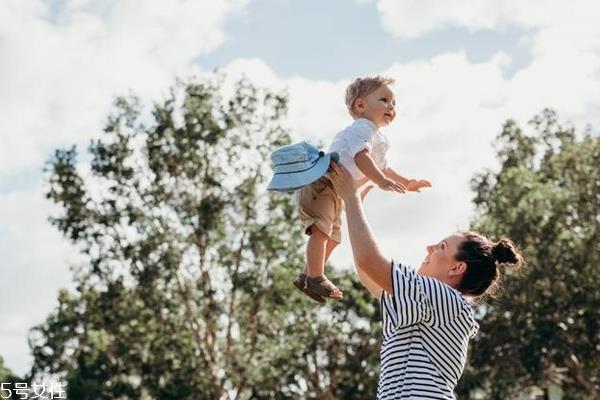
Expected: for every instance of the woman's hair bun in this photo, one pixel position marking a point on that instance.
(505, 252)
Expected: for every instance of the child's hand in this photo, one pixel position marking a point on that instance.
(415, 185)
(389, 185)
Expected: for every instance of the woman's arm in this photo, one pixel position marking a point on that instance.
(367, 256)
(367, 282)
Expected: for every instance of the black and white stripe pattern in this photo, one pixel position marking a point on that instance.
(426, 330)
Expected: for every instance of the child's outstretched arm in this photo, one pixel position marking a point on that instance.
(412, 185)
(367, 166)
(390, 173)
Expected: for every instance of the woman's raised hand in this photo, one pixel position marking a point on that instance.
(344, 184)
(365, 191)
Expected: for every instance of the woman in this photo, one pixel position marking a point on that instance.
(427, 317)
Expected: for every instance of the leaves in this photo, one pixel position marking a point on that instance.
(546, 197)
(186, 292)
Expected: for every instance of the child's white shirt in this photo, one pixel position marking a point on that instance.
(360, 135)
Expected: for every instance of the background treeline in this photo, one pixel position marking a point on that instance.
(186, 290)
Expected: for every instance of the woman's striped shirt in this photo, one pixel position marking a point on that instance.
(426, 330)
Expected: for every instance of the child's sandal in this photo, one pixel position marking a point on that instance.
(321, 286)
(300, 283)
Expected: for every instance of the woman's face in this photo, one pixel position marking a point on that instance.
(440, 262)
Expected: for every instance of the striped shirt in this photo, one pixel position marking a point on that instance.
(426, 330)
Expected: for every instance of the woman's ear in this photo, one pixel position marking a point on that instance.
(458, 269)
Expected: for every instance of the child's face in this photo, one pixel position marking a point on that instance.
(378, 106)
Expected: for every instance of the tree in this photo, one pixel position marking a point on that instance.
(544, 327)
(8, 380)
(6, 375)
(186, 290)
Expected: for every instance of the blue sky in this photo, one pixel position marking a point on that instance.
(341, 39)
(462, 68)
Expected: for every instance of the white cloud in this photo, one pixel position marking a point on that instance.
(60, 70)
(450, 109)
(35, 263)
(448, 113)
(410, 19)
(564, 38)
(316, 108)
(61, 75)
(253, 68)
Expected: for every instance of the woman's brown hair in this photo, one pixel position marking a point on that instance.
(484, 258)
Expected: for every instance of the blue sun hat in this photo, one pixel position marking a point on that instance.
(297, 165)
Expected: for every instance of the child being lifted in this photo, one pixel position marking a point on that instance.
(362, 150)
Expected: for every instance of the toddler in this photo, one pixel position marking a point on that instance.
(362, 150)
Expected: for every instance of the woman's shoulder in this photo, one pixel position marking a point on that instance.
(436, 291)
(442, 289)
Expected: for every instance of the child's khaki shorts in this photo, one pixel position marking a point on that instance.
(318, 204)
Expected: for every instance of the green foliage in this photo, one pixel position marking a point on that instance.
(544, 328)
(6, 374)
(186, 292)
(9, 381)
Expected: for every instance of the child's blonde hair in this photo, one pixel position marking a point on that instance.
(361, 87)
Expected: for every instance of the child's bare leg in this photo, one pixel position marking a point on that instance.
(330, 245)
(318, 250)
(315, 253)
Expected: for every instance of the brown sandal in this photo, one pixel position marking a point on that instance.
(322, 286)
(300, 283)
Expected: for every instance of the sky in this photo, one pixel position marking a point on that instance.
(461, 69)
